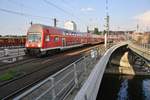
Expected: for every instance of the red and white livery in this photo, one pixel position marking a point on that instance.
(42, 39)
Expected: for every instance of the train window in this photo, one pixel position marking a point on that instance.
(64, 33)
(47, 38)
(56, 39)
(34, 37)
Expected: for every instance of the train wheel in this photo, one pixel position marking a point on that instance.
(41, 54)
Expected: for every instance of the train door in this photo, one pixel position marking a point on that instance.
(63, 42)
(47, 40)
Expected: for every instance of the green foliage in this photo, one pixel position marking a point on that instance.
(104, 32)
(8, 76)
(100, 33)
(96, 31)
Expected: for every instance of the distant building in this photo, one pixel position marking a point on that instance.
(120, 32)
(70, 25)
(141, 37)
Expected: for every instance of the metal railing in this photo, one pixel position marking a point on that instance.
(140, 48)
(136, 43)
(145, 46)
(11, 53)
(90, 88)
(11, 47)
(59, 85)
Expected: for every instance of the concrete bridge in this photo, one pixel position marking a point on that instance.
(80, 80)
(90, 89)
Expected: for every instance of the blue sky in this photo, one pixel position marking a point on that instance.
(124, 14)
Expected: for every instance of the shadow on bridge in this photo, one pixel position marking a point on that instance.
(121, 62)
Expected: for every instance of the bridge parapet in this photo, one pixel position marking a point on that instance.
(141, 49)
(59, 85)
(72, 77)
(90, 88)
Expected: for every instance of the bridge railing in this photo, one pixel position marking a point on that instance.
(90, 88)
(11, 53)
(143, 50)
(11, 47)
(144, 45)
(59, 85)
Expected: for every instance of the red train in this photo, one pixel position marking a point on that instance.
(12, 41)
(42, 39)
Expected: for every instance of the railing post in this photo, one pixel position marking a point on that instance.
(85, 67)
(75, 75)
(53, 89)
(18, 51)
(85, 97)
(6, 52)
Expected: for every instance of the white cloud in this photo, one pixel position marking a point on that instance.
(88, 9)
(143, 18)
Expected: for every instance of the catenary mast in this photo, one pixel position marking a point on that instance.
(106, 24)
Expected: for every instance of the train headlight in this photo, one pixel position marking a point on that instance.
(27, 45)
(39, 45)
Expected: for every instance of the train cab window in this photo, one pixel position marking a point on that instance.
(47, 38)
(34, 37)
(56, 39)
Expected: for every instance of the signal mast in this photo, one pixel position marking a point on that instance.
(106, 24)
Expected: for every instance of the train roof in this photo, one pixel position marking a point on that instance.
(12, 37)
(39, 28)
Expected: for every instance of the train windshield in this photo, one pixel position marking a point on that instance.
(34, 37)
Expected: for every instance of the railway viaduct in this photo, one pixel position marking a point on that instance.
(88, 90)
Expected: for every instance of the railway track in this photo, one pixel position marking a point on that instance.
(38, 70)
(6, 66)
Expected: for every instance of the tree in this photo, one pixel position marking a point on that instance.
(96, 31)
(100, 33)
(104, 32)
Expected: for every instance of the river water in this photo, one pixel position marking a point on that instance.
(117, 87)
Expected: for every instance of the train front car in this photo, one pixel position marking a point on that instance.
(34, 40)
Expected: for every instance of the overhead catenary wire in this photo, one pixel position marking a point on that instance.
(26, 14)
(73, 7)
(23, 14)
(49, 3)
(20, 4)
(70, 6)
(63, 10)
(59, 8)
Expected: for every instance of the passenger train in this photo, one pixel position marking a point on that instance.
(10, 41)
(42, 39)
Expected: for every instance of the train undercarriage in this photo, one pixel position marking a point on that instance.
(36, 52)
